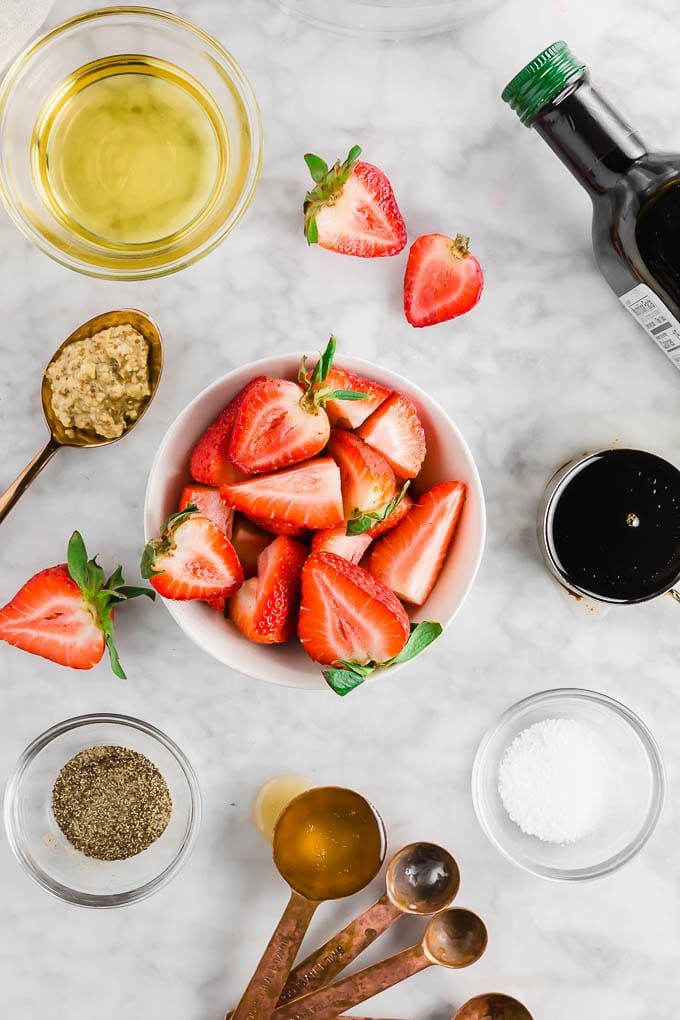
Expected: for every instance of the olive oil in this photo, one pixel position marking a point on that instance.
(130, 151)
(328, 843)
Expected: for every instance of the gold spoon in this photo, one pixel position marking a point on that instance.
(58, 437)
(328, 843)
(453, 938)
(422, 878)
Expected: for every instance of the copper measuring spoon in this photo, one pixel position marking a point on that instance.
(328, 843)
(422, 878)
(453, 938)
(58, 437)
(492, 1006)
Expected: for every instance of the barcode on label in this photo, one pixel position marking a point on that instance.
(656, 319)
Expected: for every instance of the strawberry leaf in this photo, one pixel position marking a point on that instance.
(342, 681)
(326, 359)
(361, 522)
(312, 232)
(345, 395)
(318, 167)
(422, 635)
(353, 154)
(77, 560)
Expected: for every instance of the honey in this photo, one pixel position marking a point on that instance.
(329, 843)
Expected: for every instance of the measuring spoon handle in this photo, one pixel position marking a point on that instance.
(328, 1002)
(259, 999)
(325, 963)
(23, 480)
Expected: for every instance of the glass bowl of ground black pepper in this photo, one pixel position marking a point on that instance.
(102, 810)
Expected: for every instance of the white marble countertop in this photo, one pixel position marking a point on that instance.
(546, 366)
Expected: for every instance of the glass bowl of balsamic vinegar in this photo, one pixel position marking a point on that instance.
(130, 143)
(609, 527)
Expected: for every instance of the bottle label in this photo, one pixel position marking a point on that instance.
(655, 318)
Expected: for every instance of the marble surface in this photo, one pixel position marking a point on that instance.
(546, 366)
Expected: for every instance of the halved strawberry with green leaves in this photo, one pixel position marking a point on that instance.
(209, 504)
(307, 495)
(279, 422)
(367, 480)
(210, 462)
(350, 414)
(265, 608)
(396, 431)
(409, 558)
(192, 559)
(65, 613)
(336, 540)
(354, 623)
(442, 279)
(352, 208)
(376, 522)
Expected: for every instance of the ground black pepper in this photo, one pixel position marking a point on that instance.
(111, 802)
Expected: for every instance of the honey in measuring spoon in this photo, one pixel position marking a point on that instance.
(327, 843)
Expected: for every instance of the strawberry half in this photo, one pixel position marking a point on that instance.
(209, 504)
(65, 613)
(275, 527)
(396, 431)
(335, 540)
(192, 559)
(347, 615)
(265, 608)
(308, 495)
(352, 209)
(248, 540)
(408, 558)
(350, 414)
(279, 422)
(367, 480)
(442, 280)
(210, 462)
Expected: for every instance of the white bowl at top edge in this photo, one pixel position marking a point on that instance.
(448, 457)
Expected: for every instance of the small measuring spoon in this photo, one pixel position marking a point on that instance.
(422, 878)
(492, 1006)
(453, 938)
(328, 843)
(58, 437)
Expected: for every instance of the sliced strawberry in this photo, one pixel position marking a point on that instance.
(367, 480)
(308, 495)
(408, 558)
(351, 414)
(443, 280)
(219, 604)
(395, 430)
(275, 527)
(65, 613)
(392, 519)
(210, 461)
(192, 559)
(335, 540)
(347, 615)
(249, 541)
(352, 209)
(210, 505)
(265, 609)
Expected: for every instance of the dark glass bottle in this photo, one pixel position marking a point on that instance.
(635, 193)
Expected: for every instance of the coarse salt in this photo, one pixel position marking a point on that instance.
(555, 780)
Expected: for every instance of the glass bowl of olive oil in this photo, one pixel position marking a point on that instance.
(130, 143)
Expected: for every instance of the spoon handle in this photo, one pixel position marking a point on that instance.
(321, 966)
(258, 1002)
(331, 1000)
(23, 480)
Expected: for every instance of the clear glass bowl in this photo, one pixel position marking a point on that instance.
(42, 849)
(637, 794)
(47, 63)
(387, 19)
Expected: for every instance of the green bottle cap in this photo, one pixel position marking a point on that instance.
(545, 77)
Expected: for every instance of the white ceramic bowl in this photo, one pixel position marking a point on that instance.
(448, 457)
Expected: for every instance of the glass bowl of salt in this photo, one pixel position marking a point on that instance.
(568, 784)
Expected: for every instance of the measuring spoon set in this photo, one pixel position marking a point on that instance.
(329, 843)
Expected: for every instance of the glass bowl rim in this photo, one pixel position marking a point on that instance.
(39, 875)
(246, 94)
(652, 752)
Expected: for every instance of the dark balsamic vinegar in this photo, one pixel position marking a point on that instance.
(615, 526)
